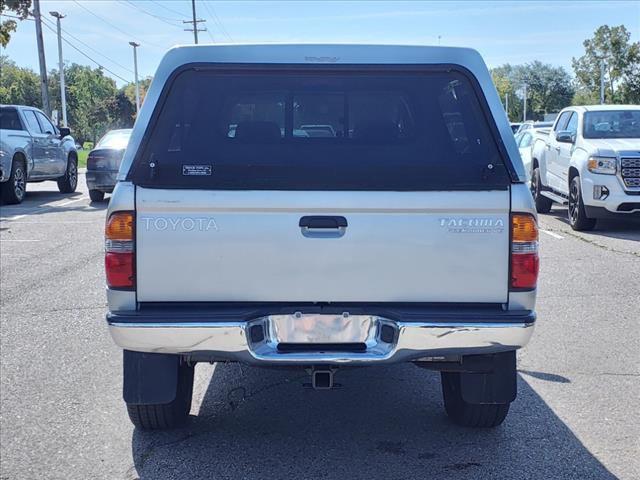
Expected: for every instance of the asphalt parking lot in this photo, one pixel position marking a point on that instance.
(576, 416)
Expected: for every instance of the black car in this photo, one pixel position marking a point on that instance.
(104, 161)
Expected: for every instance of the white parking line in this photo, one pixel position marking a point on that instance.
(44, 208)
(66, 222)
(14, 218)
(69, 202)
(552, 234)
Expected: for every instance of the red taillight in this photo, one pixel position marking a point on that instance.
(524, 252)
(119, 251)
(119, 269)
(524, 270)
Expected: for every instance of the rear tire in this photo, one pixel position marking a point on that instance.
(15, 189)
(69, 181)
(469, 414)
(167, 415)
(577, 215)
(96, 195)
(543, 204)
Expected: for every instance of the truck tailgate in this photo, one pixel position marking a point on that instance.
(248, 246)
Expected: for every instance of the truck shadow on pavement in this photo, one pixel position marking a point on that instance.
(385, 422)
(39, 202)
(624, 229)
(39, 198)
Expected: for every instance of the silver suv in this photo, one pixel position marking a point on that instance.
(404, 233)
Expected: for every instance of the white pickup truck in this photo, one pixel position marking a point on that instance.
(404, 232)
(590, 160)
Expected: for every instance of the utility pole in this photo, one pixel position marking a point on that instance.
(524, 113)
(194, 22)
(63, 97)
(44, 88)
(135, 70)
(602, 67)
(506, 104)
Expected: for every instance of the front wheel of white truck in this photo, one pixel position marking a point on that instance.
(577, 214)
(163, 416)
(543, 204)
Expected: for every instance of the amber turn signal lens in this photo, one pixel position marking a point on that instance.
(524, 228)
(119, 226)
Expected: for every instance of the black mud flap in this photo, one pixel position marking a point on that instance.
(499, 386)
(149, 378)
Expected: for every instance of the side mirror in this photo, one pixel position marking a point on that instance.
(64, 132)
(565, 136)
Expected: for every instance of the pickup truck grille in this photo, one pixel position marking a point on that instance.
(630, 172)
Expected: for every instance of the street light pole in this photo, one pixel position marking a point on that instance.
(524, 113)
(63, 97)
(506, 104)
(135, 69)
(602, 67)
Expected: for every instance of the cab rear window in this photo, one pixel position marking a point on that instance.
(320, 130)
(9, 119)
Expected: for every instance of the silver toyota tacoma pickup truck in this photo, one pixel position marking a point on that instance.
(403, 233)
(32, 149)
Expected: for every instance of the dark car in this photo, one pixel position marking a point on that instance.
(104, 161)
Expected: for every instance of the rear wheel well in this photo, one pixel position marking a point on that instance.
(20, 156)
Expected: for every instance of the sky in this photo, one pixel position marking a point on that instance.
(502, 31)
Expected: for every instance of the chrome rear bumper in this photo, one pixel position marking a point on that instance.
(357, 340)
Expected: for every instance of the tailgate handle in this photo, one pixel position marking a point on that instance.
(323, 226)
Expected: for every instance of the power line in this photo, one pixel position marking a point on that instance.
(210, 35)
(87, 56)
(158, 17)
(216, 19)
(15, 16)
(167, 8)
(128, 34)
(213, 40)
(91, 48)
(206, 29)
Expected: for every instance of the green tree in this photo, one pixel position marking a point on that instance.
(584, 97)
(125, 110)
(130, 90)
(19, 86)
(504, 82)
(91, 100)
(549, 88)
(621, 57)
(94, 103)
(7, 27)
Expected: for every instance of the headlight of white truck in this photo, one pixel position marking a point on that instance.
(605, 165)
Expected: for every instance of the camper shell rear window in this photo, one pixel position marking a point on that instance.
(304, 128)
